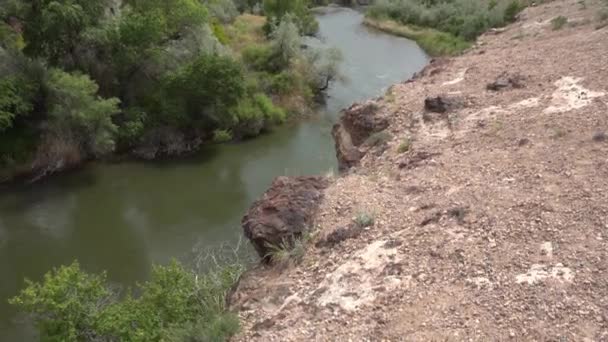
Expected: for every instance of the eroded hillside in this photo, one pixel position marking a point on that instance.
(489, 202)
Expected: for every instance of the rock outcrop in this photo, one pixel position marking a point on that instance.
(506, 81)
(442, 104)
(284, 211)
(356, 125)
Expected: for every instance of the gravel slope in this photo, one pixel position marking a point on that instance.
(493, 226)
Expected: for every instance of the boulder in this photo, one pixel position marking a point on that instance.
(348, 154)
(506, 81)
(284, 212)
(356, 125)
(442, 104)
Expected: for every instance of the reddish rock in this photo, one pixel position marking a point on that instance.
(284, 211)
(356, 124)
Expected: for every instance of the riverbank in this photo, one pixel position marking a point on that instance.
(478, 210)
(434, 42)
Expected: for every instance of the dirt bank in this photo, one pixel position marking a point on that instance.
(491, 225)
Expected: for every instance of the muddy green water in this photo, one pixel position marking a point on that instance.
(124, 217)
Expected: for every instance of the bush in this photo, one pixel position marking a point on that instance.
(378, 138)
(404, 146)
(364, 219)
(205, 90)
(276, 10)
(131, 126)
(257, 113)
(286, 40)
(270, 112)
(15, 100)
(72, 305)
(261, 58)
(77, 111)
(219, 33)
(289, 251)
(221, 136)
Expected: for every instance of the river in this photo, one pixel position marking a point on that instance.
(124, 217)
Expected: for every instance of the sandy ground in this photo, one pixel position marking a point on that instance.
(493, 226)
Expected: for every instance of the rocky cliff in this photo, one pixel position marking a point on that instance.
(484, 188)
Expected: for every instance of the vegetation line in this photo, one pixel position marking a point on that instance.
(441, 27)
(433, 42)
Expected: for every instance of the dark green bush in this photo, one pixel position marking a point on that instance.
(72, 305)
(205, 90)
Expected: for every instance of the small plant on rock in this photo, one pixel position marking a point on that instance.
(364, 219)
(405, 145)
(291, 250)
(378, 138)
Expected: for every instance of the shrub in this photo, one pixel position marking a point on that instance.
(17, 145)
(305, 21)
(378, 138)
(72, 305)
(223, 10)
(404, 146)
(65, 305)
(76, 110)
(287, 252)
(270, 112)
(219, 33)
(364, 219)
(261, 58)
(285, 40)
(558, 23)
(257, 113)
(132, 123)
(221, 136)
(205, 90)
(15, 100)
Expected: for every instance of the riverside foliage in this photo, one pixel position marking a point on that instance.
(439, 23)
(95, 76)
(176, 304)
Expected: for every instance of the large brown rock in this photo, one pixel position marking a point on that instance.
(284, 211)
(356, 125)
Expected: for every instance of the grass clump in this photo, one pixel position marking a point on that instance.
(558, 23)
(288, 252)
(364, 219)
(221, 136)
(405, 145)
(378, 138)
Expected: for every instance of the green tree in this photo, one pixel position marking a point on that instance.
(53, 28)
(286, 40)
(75, 110)
(66, 304)
(275, 10)
(15, 100)
(205, 90)
(72, 305)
